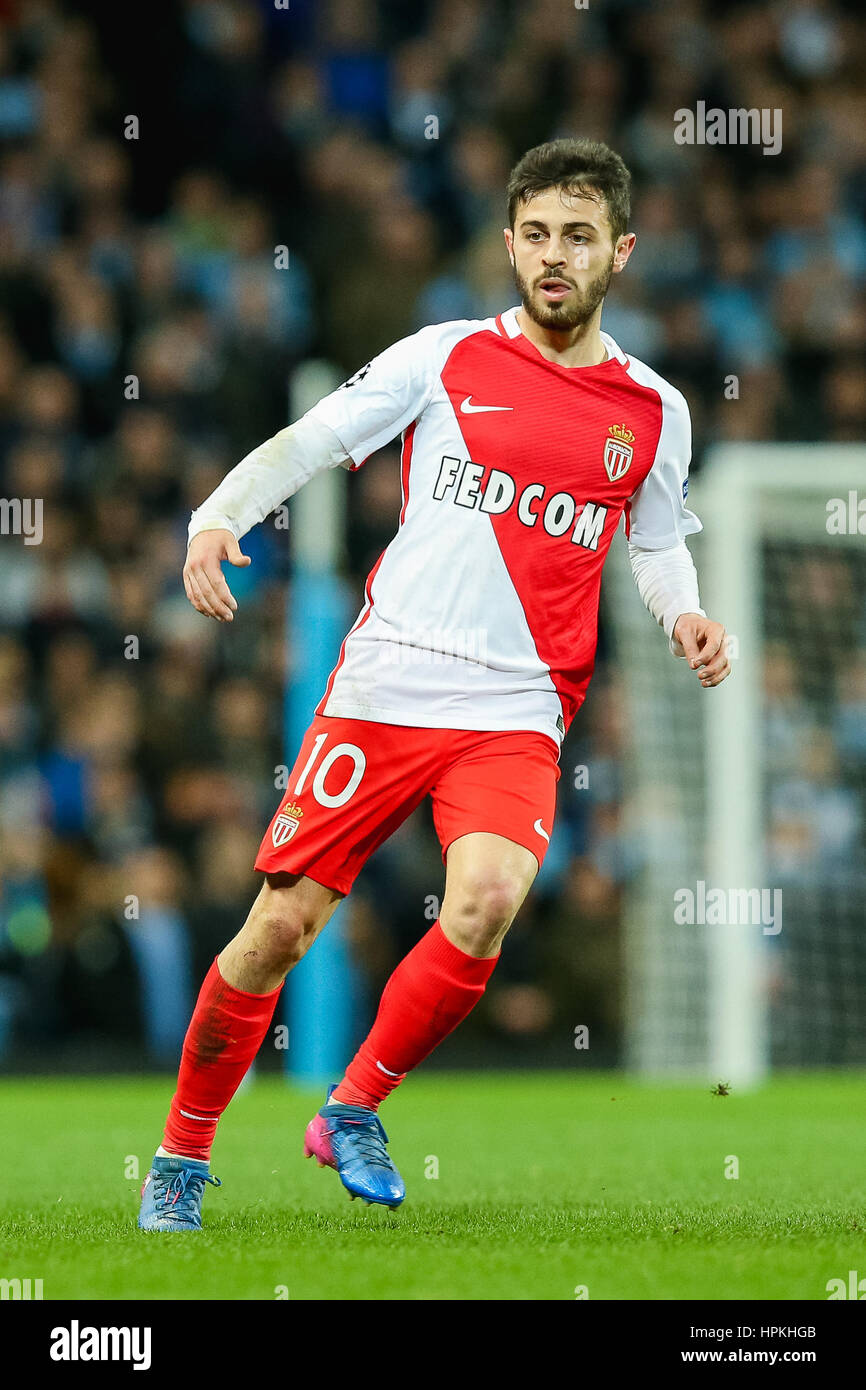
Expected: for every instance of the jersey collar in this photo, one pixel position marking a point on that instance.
(511, 328)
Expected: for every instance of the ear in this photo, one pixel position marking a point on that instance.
(624, 248)
(509, 243)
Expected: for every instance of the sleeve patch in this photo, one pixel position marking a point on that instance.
(359, 376)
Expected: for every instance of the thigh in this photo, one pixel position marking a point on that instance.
(500, 785)
(353, 784)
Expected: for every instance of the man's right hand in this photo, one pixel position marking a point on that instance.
(203, 578)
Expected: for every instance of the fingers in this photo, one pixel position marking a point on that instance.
(715, 671)
(688, 642)
(711, 642)
(690, 630)
(714, 664)
(706, 647)
(188, 588)
(197, 597)
(203, 578)
(216, 592)
(209, 593)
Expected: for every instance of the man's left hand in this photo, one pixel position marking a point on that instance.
(705, 645)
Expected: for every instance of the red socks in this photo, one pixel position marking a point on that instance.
(225, 1033)
(431, 991)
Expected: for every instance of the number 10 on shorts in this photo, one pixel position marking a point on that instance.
(340, 750)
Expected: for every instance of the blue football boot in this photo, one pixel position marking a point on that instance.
(171, 1194)
(351, 1140)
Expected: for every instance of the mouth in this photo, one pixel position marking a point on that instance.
(554, 290)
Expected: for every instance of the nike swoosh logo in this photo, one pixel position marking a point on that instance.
(389, 1073)
(469, 409)
(541, 830)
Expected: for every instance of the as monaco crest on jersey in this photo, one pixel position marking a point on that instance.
(618, 451)
(285, 825)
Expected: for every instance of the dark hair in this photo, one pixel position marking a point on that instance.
(581, 166)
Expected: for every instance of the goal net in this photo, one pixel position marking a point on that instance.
(745, 805)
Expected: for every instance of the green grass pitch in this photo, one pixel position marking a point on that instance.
(547, 1184)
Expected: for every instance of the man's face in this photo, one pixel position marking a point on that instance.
(563, 254)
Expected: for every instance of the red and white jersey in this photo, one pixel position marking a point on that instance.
(482, 612)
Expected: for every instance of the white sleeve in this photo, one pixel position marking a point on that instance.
(343, 428)
(383, 398)
(656, 516)
(667, 581)
(267, 476)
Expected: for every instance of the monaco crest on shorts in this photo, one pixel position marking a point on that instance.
(618, 451)
(285, 825)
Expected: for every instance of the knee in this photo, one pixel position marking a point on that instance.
(481, 912)
(286, 939)
(284, 930)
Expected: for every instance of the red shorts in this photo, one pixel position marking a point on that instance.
(355, 781)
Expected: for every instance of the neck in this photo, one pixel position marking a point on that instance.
(569, 347)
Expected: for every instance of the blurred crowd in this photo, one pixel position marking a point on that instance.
(194, 205)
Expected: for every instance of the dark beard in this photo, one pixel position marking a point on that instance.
(565, 316)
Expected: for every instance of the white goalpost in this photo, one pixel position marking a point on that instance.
(745, 805)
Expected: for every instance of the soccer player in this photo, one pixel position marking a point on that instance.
(525, 439)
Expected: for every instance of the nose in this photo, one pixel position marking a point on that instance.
(554, 255)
